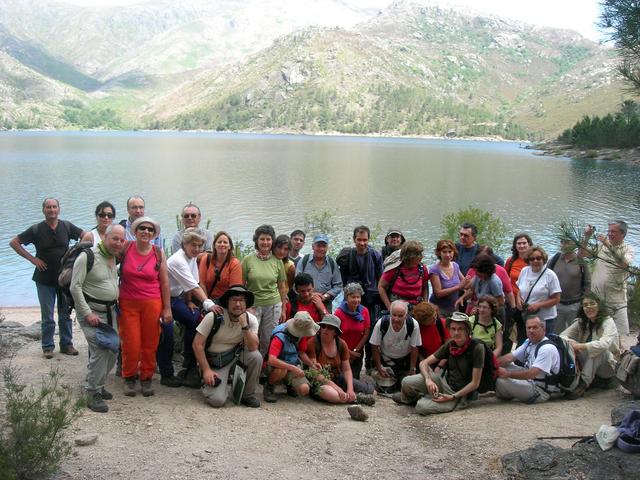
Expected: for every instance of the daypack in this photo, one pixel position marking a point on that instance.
(394, 257)
(66, 269)
(386, 321)
(346, 260)
(567, 377)
(489, 367)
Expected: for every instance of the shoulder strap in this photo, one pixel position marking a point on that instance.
(544, 342)
(535, 283)
(508, 265)
(553, 261)
(90, 259)
(393, 279)
(409, 323)
(332, 264)
(158, 255)
(384, 326)
(305, 260)
(440, 329)
(217, 323)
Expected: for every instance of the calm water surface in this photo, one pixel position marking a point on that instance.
(241, 181)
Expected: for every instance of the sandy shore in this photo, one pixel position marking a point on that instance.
(174, 435)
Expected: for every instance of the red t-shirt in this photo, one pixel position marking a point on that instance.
(408, 286)
(305, 307)
(431, 340)
(352, 330)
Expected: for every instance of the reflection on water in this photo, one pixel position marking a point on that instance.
(241, 181)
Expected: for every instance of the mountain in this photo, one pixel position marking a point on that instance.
(309, 66)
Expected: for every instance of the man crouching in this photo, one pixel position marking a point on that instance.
(447, 390)
(221, 341)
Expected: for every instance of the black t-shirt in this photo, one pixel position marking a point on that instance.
(50, 247)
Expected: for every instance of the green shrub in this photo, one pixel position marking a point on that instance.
(32, 440)
(491, 230)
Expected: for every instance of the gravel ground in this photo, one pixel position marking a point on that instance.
(174, 435)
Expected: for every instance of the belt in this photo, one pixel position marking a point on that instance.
(569, 303)
(107, 303)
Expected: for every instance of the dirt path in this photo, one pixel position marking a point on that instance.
(174, 435)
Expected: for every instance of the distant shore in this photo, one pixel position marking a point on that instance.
(629, 156)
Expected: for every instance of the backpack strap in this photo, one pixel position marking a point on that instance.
(440, 329)
(217, 323)
(386, 321)
(305, 260)
(553, 261)
(409, 323)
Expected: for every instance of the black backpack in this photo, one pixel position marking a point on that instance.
(567, 376)
(66, 268)
(489, 368)
(386, 321)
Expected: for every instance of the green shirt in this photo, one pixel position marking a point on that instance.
(262, 277)
(486, 334)
(460, 368)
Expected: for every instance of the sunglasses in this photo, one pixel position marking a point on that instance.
(589, 305)
(106, 215)
(462, 234)
(531, 259)
(189, 215)
(146, 229)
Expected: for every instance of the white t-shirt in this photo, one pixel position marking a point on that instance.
(183, 273)
(543, 289)
(230, 333)
(547, 360)
(395, 344)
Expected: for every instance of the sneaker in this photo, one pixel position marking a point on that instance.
(365, 399)
(47, 354)
(146, 389)
(130, 387)
(268, 394)
(106, 395)
(251, 402)
(96, 404)
(69, 350)
(170, 381)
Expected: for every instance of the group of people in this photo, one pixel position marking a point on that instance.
(424, 334)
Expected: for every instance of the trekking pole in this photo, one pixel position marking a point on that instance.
(566, 437)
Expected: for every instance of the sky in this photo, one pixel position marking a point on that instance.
(579, 15)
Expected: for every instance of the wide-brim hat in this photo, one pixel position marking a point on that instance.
(460, 317)
(385, 382)
(392, 261)
(233, 290)
(302, 325)
(332, 321)
(139, 221)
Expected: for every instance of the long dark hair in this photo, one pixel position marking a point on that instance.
(102, 205)
(514, 250)
(230, 253)
(603, 312)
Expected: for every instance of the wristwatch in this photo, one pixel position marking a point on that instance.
(246, 327)
(453, 395)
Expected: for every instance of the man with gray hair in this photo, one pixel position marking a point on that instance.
(395, 341)
(613, 258)
(191, 217)
(529, 384)
(94, 288)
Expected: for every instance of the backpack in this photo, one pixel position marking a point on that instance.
(386, 321)
(567, 377)
(477, 322)
(332, 263)
(66, 269)
(440, 329)
(346, 261)
(489, 367)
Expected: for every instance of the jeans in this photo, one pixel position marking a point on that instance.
(47, 295)
(187, 317)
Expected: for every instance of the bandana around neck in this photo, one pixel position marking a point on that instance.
(456, 351)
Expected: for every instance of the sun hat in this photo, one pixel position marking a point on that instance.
(139, 221)
(461, 318)
(392, 261)
(302, 325)
(321, 237)
(384, 382)
(332, 321)
(107, 337)
(234, 290)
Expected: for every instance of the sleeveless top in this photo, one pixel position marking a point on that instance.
(139, 279)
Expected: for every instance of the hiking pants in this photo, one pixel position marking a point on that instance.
(592, 366)
(414, 389)
(217, 396)
(526, 391)
(101, 360)
(139, 326)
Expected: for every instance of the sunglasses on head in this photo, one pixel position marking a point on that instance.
(144, 228)
(106, 215)
(189, 215)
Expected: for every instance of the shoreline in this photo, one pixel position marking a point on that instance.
(629, 156)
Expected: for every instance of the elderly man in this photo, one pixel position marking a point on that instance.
(530, 384)
(95, 294)
(323, 269)
(51, 239)
(395, 341)
(191, 217)
(453, 388)
(222, 341)
(611, 271)
(135, 209)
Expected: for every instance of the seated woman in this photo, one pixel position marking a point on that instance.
(433, 328)
(595, 341)
(327, 350)
(486, 326)
(355, 324)
(485, 282)
(446, 278)
(220, 269)
(405, 277)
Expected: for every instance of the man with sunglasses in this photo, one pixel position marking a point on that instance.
(51, 239)
(135, 209)
(191, 217)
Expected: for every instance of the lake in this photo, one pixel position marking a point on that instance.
(243, 180)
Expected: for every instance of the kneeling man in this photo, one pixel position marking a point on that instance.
(529, 383)
(221, 341)
(450, 388)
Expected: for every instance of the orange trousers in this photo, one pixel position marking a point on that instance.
(139, 327)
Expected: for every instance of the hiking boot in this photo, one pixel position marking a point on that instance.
(47, 354)
(269, 394)
(170, 381)
(69, 350)
(578, 392)
(292, 392)
(96, 404)
(130, 387)
(365, 399)
(192, 379)
(146, 389)
(251, 402)
(105, 394)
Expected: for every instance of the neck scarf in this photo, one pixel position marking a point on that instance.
(103, 250)
(357, 315)
(456, 351)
